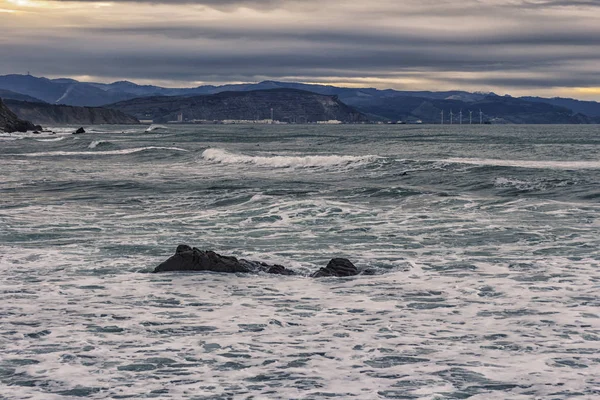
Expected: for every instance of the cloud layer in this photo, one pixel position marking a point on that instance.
(547, 47)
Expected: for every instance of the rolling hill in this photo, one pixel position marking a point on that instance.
(287, 105)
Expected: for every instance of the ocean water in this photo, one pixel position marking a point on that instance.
(486, 240)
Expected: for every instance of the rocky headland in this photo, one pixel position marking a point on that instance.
(10, 122)
(52, 114)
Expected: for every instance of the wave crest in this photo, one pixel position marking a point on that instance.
(97, 143)
(98, 153)
(533, 164)
(153, 128)
(225, 157)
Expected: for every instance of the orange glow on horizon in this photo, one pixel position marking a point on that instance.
(588, 90)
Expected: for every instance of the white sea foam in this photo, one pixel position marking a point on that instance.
(62, 130)
(507, 182)
(98, 153)
(483, 299)
(525, 163)
(276, 161)
(40, 137)
(539, 184)
(56, 139)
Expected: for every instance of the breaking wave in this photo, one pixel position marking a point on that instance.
(97, 143)
(565, 165)
(57, 139)
(99, 153)
(226, 157)
(153, 128)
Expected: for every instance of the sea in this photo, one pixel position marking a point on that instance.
(485, 241)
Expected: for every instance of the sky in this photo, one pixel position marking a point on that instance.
(520, 47)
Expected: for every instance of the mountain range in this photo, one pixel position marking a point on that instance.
(378, 105)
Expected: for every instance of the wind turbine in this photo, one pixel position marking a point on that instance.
(470, 117)
(451, 117)
(460, 118)
(480, 117)
(442, 117)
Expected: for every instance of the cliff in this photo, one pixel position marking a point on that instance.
(288, 105)
(9, 122)
(50, 114)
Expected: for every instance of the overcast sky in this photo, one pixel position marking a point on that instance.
(541, 47)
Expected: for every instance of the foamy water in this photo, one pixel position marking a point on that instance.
(539, 164)
(488, 274)
(275, 161)
(93, 145)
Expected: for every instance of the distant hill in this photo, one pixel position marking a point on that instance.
(60, 91)
(495, 109)
(589, 108)
(51, 114)
(9, 122)
(378, 104)
(287, 105)
(10, 95)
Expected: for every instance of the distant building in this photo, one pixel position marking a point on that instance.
(330, 122)
(180, 117)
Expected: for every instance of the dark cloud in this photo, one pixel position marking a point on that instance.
(561, 3)
(198, 2)
(475, 43)
(355, 37)
(544, 69)
(219, 4)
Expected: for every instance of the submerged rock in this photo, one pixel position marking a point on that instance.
(78, 131)
(191, 259)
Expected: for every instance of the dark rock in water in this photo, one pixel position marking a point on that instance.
(191, 259)
(78, 131)
(337, 267)
(280, 270)
(182, 248)
(368, 271)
